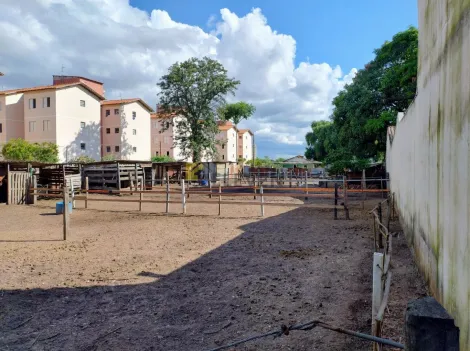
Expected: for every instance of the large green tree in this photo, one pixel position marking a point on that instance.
(365, 108)
(197, 90)
(21, 150)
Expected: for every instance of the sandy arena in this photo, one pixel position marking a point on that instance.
(130, 280)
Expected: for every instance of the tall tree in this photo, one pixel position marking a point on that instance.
(196, 88)
(366, 107)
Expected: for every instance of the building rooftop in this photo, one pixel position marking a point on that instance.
(127, 101)
(50, 87)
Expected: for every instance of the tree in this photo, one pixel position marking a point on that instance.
(21, 150)
(236, 112)
(365, 108)
(196, 88)
(83, 159)
(162, 158)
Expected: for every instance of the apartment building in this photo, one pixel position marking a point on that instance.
(125, 129)
(246, 145)
(227, 145)
(163, 129)
(65, 114)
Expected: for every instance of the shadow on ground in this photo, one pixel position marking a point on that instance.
(281, 270)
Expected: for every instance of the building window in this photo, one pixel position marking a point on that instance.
(166, 140)
(116, 130)
(223, 157)
(82, 103)
(167, 125)
(156, 153)
(134, 131)
(116, 148)
(0, 106)
(1, 128)
(108, 130)
(45, 125)
(246, 157)
(116, 111)
(233, 156)
(108, 112)
(168, 153)
(223, 146)
(156, 140)
(233, 145)
(32, 103)
(82, 124)
(32, 126)
(46, 102)
(82, 146)
(108, 148)
(155, 124)
(134, 149)
(134, 114)
(246, 147)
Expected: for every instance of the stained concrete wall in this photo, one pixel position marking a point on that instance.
(428, 158)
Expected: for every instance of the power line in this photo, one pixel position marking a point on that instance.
(309, 326)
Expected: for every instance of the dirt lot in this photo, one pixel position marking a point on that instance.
(126, 280)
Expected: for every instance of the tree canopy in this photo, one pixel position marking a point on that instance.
(356, 131)
(197, 89)
(21, 150)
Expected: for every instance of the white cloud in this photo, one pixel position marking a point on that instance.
(129, 49)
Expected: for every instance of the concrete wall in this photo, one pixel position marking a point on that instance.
(14, 116)
(229, 138)
(39, 122)
(109, 138)
(245, 146)
(69, 116)
(428, 158)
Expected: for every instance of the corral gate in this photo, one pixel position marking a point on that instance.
(18, 187)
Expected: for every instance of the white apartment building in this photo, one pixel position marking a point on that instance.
(246, 145)
(125, 129)
(65, 114)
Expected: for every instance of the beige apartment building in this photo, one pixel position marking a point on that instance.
(65, 114)
(246, 145)
(125, 131)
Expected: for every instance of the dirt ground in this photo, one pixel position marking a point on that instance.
(130, 280)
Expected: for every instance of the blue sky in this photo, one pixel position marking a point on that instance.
(339, 32)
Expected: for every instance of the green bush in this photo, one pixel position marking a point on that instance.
(162, 158)
(21, 150)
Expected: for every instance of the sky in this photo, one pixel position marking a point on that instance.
(292, 57)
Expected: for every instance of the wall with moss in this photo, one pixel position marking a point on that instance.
(428, 158)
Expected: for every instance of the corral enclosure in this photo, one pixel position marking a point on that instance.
(126, 279)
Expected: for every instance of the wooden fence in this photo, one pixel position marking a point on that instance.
(18, 185)
(381, 273)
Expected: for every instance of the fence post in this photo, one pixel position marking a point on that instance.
(254, 186)
(65, 193)
(262, 201)
(428, 327)
(306, 185)
(183, 196)
(9, 185)
(336, 202)
(220, 197)
(363, 186)
(379, 212)
(210, 185)
(345, 197)
(377, 291)
(35, 186)
(167, 210)
(290, 180)
(87, 187)
(141, 197)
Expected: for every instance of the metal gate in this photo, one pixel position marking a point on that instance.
(18, 187)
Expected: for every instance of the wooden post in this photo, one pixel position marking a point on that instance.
(379, 212)
(118, 177)
(210, 185)
(220, 197)
(306, 185)
(254, 186)
(363, 187)
(382, 187)
(136, 185)
(290, 180)
(377, 290)
(262, 200)
(141, 197)
(35, 186)
(228, 177)
(9, 185)
(393, 207)
(428, 327)
(87, 187)
(167, 194)
(336, 202)
(345, 197)
(183, 196)
(65, 193)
